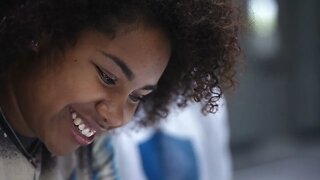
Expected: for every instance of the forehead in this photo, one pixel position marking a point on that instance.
(142, 47)
(145, 50)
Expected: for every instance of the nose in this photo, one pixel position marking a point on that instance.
(112, 114)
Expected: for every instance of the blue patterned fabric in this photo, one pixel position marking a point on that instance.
(103, 159)
(166, 157)
(103, 167)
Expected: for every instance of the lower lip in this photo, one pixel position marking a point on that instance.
(80, 138)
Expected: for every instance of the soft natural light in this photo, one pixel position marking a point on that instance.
(263, 14)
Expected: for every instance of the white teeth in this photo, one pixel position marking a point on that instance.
(74, 115)
(81, 127)
(77, 121)
(90, 134)
(85, 131)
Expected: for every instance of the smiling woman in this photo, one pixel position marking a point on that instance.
(103, 90)
(73, 70)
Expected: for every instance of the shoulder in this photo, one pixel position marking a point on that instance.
(12, 160)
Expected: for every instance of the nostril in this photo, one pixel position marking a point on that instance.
(105, 121)
(110, 116)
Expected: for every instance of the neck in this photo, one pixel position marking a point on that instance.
(11, 110)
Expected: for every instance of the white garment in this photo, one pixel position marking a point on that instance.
(208, 135)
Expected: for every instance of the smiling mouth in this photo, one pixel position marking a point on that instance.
(83, 133)
(82, 127)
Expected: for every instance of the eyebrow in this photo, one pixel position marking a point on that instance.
(123, 66)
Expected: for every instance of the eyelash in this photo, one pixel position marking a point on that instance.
(136, 99)
(109, 81)
(105, 78)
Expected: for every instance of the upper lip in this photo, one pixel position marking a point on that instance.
(91, 122)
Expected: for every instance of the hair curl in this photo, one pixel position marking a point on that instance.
(203, 33)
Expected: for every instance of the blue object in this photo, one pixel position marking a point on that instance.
(166, 157)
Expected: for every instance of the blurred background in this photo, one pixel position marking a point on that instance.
(274, 112)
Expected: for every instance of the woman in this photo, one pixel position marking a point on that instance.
(72, 70)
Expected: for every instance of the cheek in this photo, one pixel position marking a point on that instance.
(77, 83)
(47, 94)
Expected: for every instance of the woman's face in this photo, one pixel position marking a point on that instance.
(94, 87)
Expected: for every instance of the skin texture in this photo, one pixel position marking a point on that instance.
(40, 102)
(203, 36)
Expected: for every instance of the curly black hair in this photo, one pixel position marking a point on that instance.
(203, 34)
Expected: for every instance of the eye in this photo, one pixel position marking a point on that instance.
(135, 98)
(107, 79)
